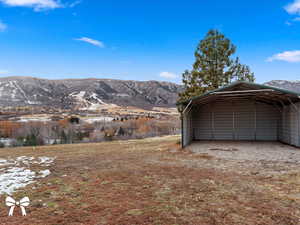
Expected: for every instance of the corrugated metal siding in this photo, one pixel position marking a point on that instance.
(202, 122)
(290, 127)
(297, 132)
(223, 121)
(267, 117)
(280, 123)
(244, 117)
(294, 127)
(285, 131)
(237, 120)
(187, 129)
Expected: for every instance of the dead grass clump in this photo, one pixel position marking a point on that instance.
(203, 156)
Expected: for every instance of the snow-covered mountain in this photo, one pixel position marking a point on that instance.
(285, 84)
(93, 93)
(86, 93)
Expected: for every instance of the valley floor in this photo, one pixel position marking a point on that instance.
(151, 181)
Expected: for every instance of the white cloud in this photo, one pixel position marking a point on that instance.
(293, 8)
(168, 75)
(36, 4)
(3, 26)
(91, 41)
(288, 23)
(287, 56)
(75, 3)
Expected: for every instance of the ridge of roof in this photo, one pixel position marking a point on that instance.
(263, 86)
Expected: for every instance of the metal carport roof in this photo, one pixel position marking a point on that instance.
(243, 89)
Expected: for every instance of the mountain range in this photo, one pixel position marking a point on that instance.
(86, 93)
(285, 84)
(93, 93)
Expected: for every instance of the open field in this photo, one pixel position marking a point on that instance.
(152, 181)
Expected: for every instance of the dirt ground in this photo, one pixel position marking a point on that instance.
(153, 181)
(248, 157)
(248, 150)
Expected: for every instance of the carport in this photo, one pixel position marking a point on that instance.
(242, 111)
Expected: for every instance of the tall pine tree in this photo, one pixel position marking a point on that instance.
(214, 66)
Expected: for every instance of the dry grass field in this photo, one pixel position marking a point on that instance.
(152, 181)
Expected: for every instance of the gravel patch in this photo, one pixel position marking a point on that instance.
(248, 150)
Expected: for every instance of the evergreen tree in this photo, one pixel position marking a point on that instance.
(64, 138)
(31, 140)
(214, 67)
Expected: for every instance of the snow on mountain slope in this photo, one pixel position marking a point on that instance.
(86, 93)
(293, 85)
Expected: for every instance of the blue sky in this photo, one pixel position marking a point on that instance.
(144, 40)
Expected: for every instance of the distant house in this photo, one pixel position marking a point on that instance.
(7, 142)
(242, 111)
(74, 120)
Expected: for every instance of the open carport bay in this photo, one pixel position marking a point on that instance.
(242, 111)
(236, 120)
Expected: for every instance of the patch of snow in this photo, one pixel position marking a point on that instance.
(79, 96)
(90, 102)
(15, 84)
(94, 95)
(121, 95)
(45, 160)
(15, 173)
(34, 119)
(44, 173)
(33, 102)
(99, 119)
(294, 81)
(7, 141)
(15, 178)
(46, 89)
(4, 162)
(24, 159)
(281, 82)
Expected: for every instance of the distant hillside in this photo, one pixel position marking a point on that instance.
(86, 93)
(285, 84)
(93, 93)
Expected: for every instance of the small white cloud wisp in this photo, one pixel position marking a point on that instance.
(293, 8)
(75, 3)
(287, 56)
(3, 26)
(168, 75)
(297, 19)
(91, 41)
(37, 5)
